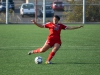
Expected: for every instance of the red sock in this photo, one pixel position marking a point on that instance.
(50, 56)
(37, 50)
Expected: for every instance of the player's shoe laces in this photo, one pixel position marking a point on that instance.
(48, 62)
(30, 52)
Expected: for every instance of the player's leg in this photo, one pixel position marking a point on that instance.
(52, 53)
(40, 50)
(43, 49)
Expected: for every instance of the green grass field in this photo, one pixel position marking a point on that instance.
(78, 55)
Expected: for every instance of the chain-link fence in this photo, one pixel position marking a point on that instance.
(70, 11)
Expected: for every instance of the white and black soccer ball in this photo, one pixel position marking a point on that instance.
(38, 60)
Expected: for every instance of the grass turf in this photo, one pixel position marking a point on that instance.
(78, 55)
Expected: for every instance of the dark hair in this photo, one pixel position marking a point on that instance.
(56, 16)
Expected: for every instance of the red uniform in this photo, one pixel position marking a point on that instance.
(55, 30)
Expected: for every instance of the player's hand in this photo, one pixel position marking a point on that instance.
(33, 21)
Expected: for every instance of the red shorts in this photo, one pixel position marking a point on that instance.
(52, 42)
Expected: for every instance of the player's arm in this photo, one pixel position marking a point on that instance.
(74, 27)
(39, 25)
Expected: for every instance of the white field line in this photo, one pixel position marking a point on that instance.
(19, 47)
(84, 47)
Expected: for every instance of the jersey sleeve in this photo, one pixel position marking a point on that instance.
(64, 26)
(47, 25)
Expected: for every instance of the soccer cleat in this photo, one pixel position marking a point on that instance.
(30, 52)
(48, 62)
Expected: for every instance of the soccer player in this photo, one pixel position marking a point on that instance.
(53, 40)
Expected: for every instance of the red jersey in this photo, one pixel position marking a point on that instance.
(55, 30)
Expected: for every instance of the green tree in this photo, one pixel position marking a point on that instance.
(92, 11)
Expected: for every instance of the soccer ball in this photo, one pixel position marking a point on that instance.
(38, 60)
